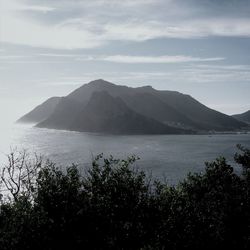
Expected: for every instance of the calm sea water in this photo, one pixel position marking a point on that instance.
(164, 156)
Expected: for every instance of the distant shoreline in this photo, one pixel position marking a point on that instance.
(195, 132)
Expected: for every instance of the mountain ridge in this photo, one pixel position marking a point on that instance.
(41, 112)
(168, 108)
(244, 117)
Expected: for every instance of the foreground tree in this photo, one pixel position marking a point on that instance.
(116, 206)
(19, 175)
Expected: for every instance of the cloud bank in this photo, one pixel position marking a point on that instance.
(94, 23)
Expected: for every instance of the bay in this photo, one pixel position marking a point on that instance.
(168, 157)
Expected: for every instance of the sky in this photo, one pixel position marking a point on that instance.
(198, 47)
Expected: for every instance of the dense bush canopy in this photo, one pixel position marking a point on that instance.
(116, 206)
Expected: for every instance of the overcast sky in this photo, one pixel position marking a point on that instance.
(199, 47)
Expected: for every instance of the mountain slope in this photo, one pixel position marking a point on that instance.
(204, 117)
(108, 114)
(41, 112)
(150, 105)
(244, 117)
(63, 116)
(170, 107)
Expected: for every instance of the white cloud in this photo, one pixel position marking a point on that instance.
(3, 67)
(154, 59)
(137, 30)
(185, 75)
(64, 57)
(20, 30)
(190, 76)
(38, 35)
(56, 55)
(13, 57)
(225, 67)
(13, 5)
(43, 9)
(89, 24)
(215, 74)
(124, 3)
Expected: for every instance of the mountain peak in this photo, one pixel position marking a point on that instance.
(147, 88)
(100, 82)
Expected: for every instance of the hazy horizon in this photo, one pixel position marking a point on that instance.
(49, 48)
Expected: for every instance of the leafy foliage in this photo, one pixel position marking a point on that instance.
(116, 206)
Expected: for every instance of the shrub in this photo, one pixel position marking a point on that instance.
(116, 206)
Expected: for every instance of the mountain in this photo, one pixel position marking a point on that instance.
(108, 114)
(152, 106)
(41, 112)
(244, 117)
(169, 107)
(119, 108)
(203, 117)
(63, 115)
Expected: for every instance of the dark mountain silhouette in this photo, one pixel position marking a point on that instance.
(176, 108)
(203, 117)
(151, 105)
(41, 112)
(244, 117)
(63, 116)
(121, 108)
(108, 114)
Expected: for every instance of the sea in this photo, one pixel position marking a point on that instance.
(166, 157)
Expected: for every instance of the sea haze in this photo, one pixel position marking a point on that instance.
(168, 157)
